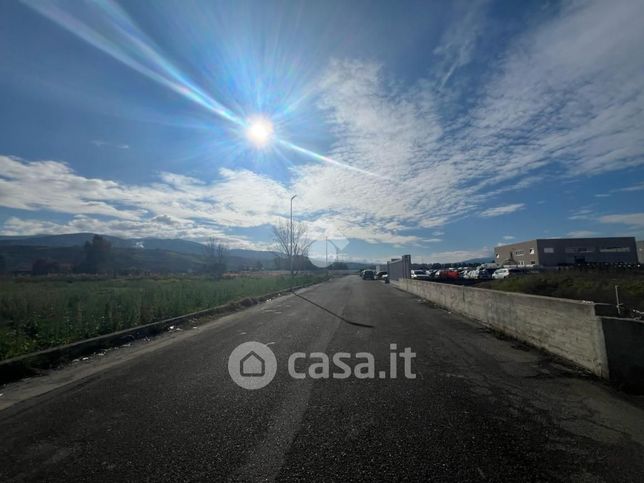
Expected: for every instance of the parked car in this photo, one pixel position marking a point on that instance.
(448, 274)
(485, 273)
(452, 274)
(368, 275)
(380, 275)
(479, 274)
(501, 273)
(419, 275)
(507, 272)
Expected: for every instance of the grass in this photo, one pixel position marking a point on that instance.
(39, 313)
(593, 285)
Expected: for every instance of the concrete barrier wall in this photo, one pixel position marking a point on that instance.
(567, 328)
(625, 352)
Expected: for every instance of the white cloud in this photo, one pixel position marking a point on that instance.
(101, 144)
(582, 234)
(165, 220)
(459, 255)
(636, 187)
(502, 210)
(50, 185)
(634, 220)
(458, 43)
(508, 237)
(582, 214)
(571, 90)
(239, 198)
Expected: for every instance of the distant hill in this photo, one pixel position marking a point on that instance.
(169, 244)
(146, 254)
(359, 266)
(19, 258)
(253, 254)
(68, 240)
(79, 239)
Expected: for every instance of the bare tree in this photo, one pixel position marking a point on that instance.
(98, 256)
(215, 255)
(292, 244)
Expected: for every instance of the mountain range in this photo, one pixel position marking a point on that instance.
(143, 254)
(169, 244)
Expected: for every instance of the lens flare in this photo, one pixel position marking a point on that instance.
(106, 26)
(326, 159)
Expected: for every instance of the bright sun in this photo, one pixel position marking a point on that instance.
(259, 131)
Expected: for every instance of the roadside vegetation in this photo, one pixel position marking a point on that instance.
(39, 312)
(594, 285)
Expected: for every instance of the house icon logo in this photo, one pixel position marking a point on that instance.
(252, 365)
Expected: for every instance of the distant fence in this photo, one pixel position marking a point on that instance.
(578, 331)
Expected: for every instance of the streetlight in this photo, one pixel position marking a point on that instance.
(326, 252)
(292, 198)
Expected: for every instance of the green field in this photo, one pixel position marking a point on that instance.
(593, 285)
(38, 313)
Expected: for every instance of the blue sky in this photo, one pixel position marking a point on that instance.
(439, 129)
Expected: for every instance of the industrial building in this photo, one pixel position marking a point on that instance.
(552, 252)
(640, 251)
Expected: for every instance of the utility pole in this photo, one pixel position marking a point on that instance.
(326, 252)
(291, 226)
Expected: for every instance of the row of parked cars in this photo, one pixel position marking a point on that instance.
(467, 273)
(481, 273)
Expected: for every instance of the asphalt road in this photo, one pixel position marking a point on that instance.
(481, 408)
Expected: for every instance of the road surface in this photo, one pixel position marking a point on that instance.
(481, 408)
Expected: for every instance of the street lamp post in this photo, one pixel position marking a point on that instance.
(291, 227)
(326, 252)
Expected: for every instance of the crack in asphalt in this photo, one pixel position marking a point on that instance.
(343, 319)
